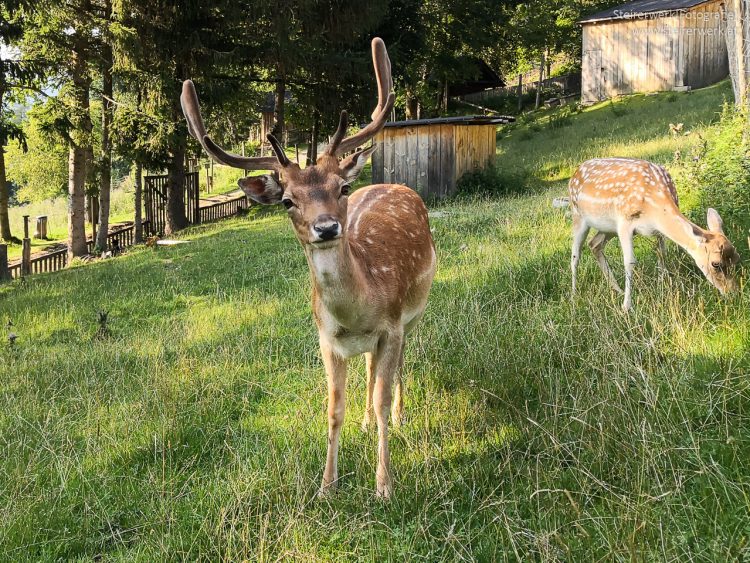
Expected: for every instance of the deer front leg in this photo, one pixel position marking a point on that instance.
(580, 232)
(661, 252)
(336, 374)
(387, 358)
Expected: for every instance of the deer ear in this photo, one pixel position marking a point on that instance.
(353, 164)
(715, 224)
(262, 189)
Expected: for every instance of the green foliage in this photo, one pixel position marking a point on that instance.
(718, 173)
(42, 171)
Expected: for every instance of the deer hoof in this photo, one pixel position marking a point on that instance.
(366, 425)
(384, 490)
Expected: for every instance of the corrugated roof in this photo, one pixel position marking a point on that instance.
(640, 8)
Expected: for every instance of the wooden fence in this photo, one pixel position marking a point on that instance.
(222, 209)
(568, 83)
(57, 259)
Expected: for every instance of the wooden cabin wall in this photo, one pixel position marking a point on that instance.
(653, 54)
(431, 158)
(704, 46)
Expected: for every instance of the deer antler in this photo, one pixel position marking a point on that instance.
(192, 111)
(386, 98)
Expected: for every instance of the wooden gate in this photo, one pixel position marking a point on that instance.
(155, 201)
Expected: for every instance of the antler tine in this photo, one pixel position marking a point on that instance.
(338, 136)
(278, 149)
(386, 99)
(191, 110)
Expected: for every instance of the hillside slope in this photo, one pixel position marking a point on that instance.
(537, 428)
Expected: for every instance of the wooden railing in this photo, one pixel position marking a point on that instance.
(57, 259)
(223, 209)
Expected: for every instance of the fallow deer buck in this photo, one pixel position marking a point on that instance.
(370, 254)
(621, 197)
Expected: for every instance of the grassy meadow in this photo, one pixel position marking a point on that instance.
(537, 428)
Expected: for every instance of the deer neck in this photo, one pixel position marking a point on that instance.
(677, 228)
(334, 272)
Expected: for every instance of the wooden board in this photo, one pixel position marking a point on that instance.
(377, 159)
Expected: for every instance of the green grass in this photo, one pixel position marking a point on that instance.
(56, 211)
(538, 429)
(545, 151)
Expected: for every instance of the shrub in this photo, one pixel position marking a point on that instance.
(492, 181)
(718, 174)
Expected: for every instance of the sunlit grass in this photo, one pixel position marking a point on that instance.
(538, 428)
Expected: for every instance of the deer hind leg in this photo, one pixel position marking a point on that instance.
(625, 234)
(370, 368)
(580, 232)
(336, 372)
(597, 244)
(397, 410)
(387, 358)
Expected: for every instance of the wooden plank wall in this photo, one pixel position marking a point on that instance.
(655, 54)
(432, 158)
(704, 44)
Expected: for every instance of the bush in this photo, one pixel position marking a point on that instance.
(718, 174)
(492, 181)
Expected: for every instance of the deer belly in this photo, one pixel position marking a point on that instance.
(602, 223)
(347, 344)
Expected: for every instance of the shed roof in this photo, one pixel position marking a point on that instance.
(639, 8)
(460, 120)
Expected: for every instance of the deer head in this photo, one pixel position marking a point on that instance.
(716, 256)
(315, 197)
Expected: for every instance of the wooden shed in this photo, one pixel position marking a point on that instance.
(431, 155)
(653, 45)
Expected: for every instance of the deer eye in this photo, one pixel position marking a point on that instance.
(288, 203)
(345, 189)
(716, 265)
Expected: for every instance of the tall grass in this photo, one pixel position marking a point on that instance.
(538, 428)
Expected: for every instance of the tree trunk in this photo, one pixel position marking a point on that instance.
(445, 96)
(412, 105)
(539, 84)
(76, 202)
(313, 150)
(737, 35)
(105, 178)
(279, 108)
(80, 143)
(176, 217)
(5, 233)
(138, 218)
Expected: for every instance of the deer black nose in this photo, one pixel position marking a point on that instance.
(326, 228)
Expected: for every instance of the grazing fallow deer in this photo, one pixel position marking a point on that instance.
(370, 254)
(621, 197)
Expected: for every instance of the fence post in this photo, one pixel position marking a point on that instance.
(26, 249)
(198, 200)
(4, 271)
